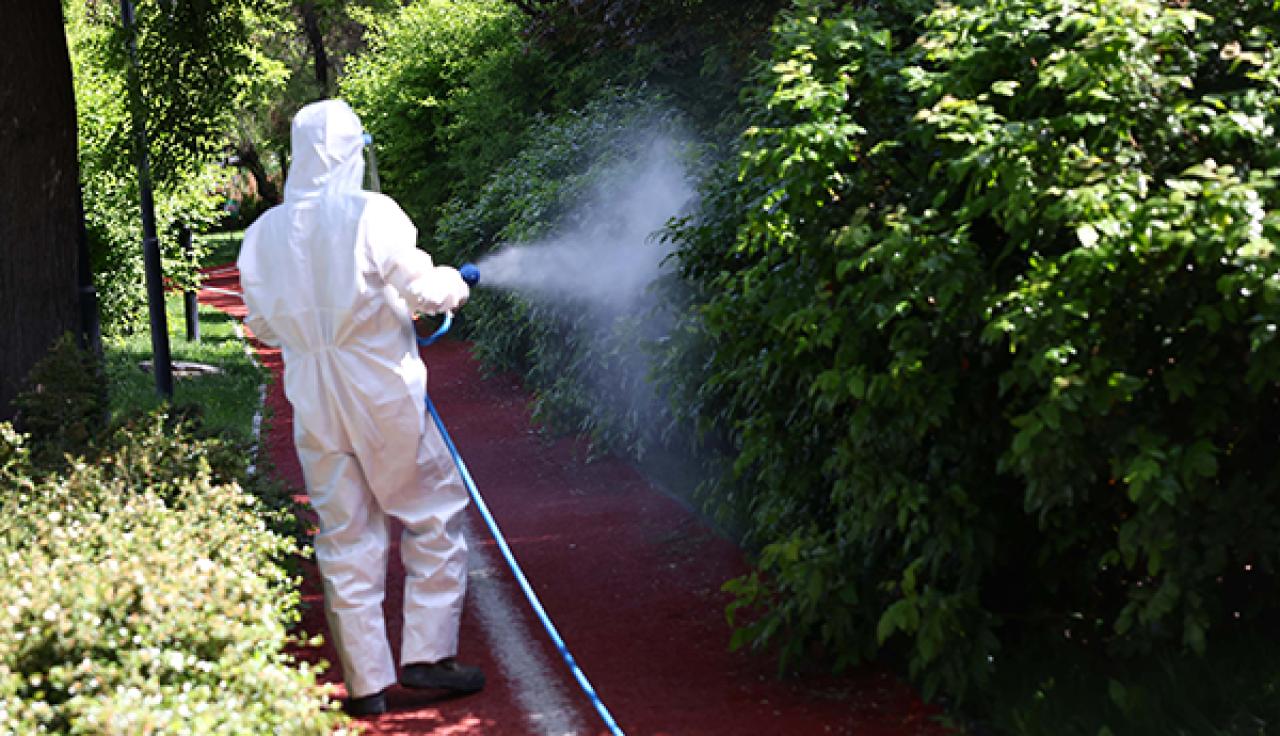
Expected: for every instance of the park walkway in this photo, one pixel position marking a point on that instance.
(630, 576)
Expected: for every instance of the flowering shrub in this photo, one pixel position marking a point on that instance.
(142, 593)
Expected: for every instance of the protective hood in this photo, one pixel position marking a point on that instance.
(327, 147)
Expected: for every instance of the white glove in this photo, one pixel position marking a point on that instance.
(440, 289)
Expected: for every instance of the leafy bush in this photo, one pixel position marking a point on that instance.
(144, 596)
(446, 88)
(129, 612)
(696, 51)
(989, 322)
(493, 125)
(145, 591)
(65, 404)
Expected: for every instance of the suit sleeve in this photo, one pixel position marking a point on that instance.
(425, 286)
(261, 329)
(253, 319)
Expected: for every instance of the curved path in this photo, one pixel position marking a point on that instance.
(630, 576)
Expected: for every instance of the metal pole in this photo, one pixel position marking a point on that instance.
(162, 364)
(375, 184)
(191, 307)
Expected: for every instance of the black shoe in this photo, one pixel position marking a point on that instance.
(446, 674)
(368, 705)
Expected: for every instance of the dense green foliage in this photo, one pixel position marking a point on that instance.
(65, 403)
(695, 51)
(1066, 690)
(190, 58)
(990, 320)
(447, 90)
(143, 590)
(454, 90)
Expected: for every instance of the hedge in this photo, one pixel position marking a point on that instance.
(989, 315)
(142, 590)
(981, 309)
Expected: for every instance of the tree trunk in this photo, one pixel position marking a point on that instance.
(283, 154)
(40, 221)
(247, 151)
(315, 39)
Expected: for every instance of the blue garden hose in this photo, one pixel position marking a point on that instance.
(444, 327)
(483, 508)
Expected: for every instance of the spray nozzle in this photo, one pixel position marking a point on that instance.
(470, 274)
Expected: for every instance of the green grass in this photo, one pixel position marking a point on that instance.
(226, 402)
(221, 248)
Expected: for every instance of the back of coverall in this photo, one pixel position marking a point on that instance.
(333, 276)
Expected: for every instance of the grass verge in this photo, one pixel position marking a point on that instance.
(225, 402)
(221, 248)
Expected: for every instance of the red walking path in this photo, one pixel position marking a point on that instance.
(630, 577)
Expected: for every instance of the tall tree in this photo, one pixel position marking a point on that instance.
(315, 39)
(301, 57)
(40, 222)
(192, 59)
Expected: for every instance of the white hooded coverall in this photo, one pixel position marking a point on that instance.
(333, 276)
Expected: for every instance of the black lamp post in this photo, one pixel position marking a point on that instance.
(190, 303)
(162, 363)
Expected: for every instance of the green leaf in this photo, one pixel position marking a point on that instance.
(1005, 88)
(1087, 235)
(1201, 460)
(857, 386)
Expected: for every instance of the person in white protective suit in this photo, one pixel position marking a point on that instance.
(333, 277)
